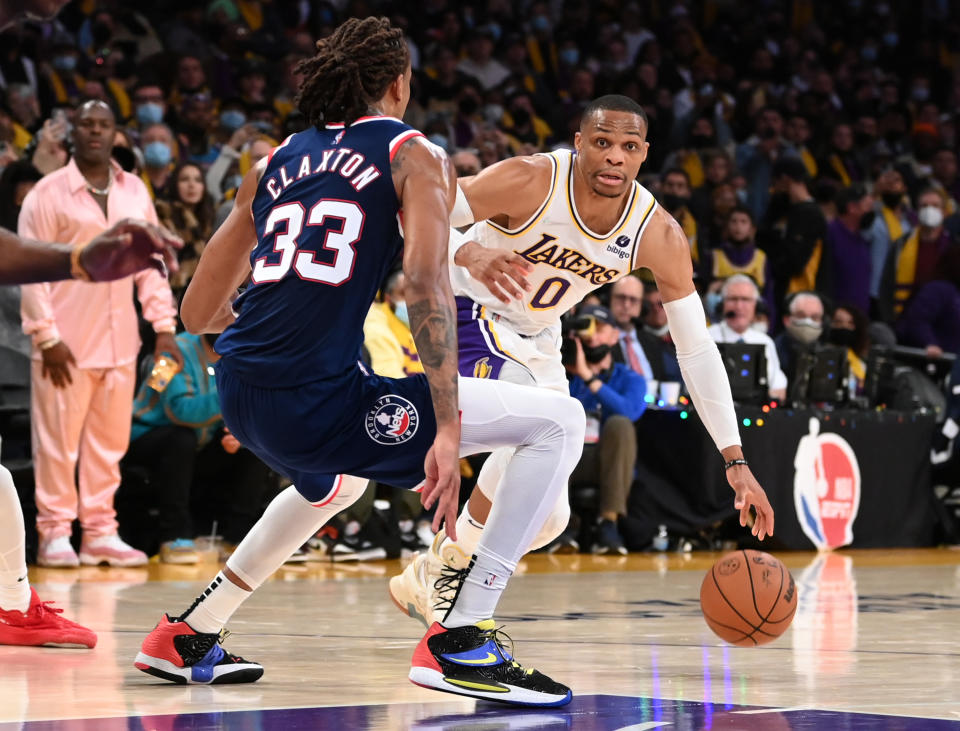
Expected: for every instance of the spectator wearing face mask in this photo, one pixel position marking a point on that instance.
(613, 396)
(894, 220)
(675, 193)
(386, 332)
(65, 82)
(912, 261)
(158, 145)
(845, 267)
(738, 254)
(793, 231)
(224, 175)
(739, 296)
(849, 328)
(149, 104)
(803, 327)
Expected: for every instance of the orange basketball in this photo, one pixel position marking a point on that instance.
(748, 598)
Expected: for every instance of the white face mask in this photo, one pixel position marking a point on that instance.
(761, 326)
(930, 216)
(805, 329)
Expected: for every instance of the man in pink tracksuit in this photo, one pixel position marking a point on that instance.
(85, 349)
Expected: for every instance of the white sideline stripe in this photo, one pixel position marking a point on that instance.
(773, 710)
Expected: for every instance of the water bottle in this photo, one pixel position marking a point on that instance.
(661, 541)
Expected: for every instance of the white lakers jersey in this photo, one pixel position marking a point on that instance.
(570, 260)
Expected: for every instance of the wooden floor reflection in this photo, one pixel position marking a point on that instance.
(876, 632)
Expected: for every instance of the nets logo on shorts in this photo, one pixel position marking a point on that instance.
(826, 488)
(392, 420)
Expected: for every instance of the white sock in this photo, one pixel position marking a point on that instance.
(550, 427)
(216, 605)
(287, 523)
(14, 584)
(487, 578)
(468, 532)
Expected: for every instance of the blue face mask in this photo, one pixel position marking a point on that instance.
(64, 63)
(233, 119)
(439, 140)
(540, 23)
(150, 113)
(570, 56)
(157, 155)
(891, 38)
(264, 126)
(400, 310)
(713, 302)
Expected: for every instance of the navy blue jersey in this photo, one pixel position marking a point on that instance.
(325, 212)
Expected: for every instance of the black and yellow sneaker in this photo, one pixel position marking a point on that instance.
(472, 661)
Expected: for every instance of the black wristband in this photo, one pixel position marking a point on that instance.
(734, 463)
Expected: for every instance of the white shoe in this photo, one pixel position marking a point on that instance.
(57, 553)
(111, 551)
(426, 588)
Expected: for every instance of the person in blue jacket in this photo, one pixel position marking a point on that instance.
(613, 396)
(194, 465)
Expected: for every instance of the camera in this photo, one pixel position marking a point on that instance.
(572, 327)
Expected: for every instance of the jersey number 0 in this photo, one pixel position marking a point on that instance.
(291, 218)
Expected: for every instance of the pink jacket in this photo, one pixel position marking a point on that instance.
(98, 322)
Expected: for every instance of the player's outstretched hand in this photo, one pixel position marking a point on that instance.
(442, 486)
(127, 247)
(748, 492)
(502, 272)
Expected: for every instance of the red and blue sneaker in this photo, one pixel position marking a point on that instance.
(176, 652)
(473, 661)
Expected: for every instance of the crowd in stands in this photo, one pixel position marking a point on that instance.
(808, 150)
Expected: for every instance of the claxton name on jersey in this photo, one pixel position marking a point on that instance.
(340, 160)
(545, 251)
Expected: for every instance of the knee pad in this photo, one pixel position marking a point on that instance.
(556, 523)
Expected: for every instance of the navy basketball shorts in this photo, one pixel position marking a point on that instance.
(363, 425)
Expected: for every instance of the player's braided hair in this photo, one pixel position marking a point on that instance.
(351, 70)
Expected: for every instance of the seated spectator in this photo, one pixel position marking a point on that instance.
(652, 314)
(386, 332)
(643, 352)
(738, 254)
(841, 163)
(845, 267)
(465, 162)
(739, 297)
(613, 397)
(675, 193)
(912, 261)
(849, 328)
(178, 437)
(931, 319)
(480, 63)
(187, 210)
(803, 326)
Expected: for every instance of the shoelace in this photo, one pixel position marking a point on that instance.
(448, 585)
(48, 608)
(502, 639)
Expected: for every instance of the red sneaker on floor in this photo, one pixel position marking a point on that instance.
(42, 624)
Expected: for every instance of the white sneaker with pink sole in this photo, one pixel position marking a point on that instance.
(111, 551)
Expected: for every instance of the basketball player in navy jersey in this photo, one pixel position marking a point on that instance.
(322, 218)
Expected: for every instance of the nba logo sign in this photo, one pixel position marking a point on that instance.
(826, 488)
(392, 420)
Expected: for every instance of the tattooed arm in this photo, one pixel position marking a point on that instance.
(425, 180)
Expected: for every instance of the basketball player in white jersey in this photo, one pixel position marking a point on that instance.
(550, 229)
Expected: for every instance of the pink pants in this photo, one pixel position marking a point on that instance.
(90, 418)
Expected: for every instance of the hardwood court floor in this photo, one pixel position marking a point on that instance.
(877, 632)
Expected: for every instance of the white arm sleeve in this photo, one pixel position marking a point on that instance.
(703, 370)
(462, 213)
